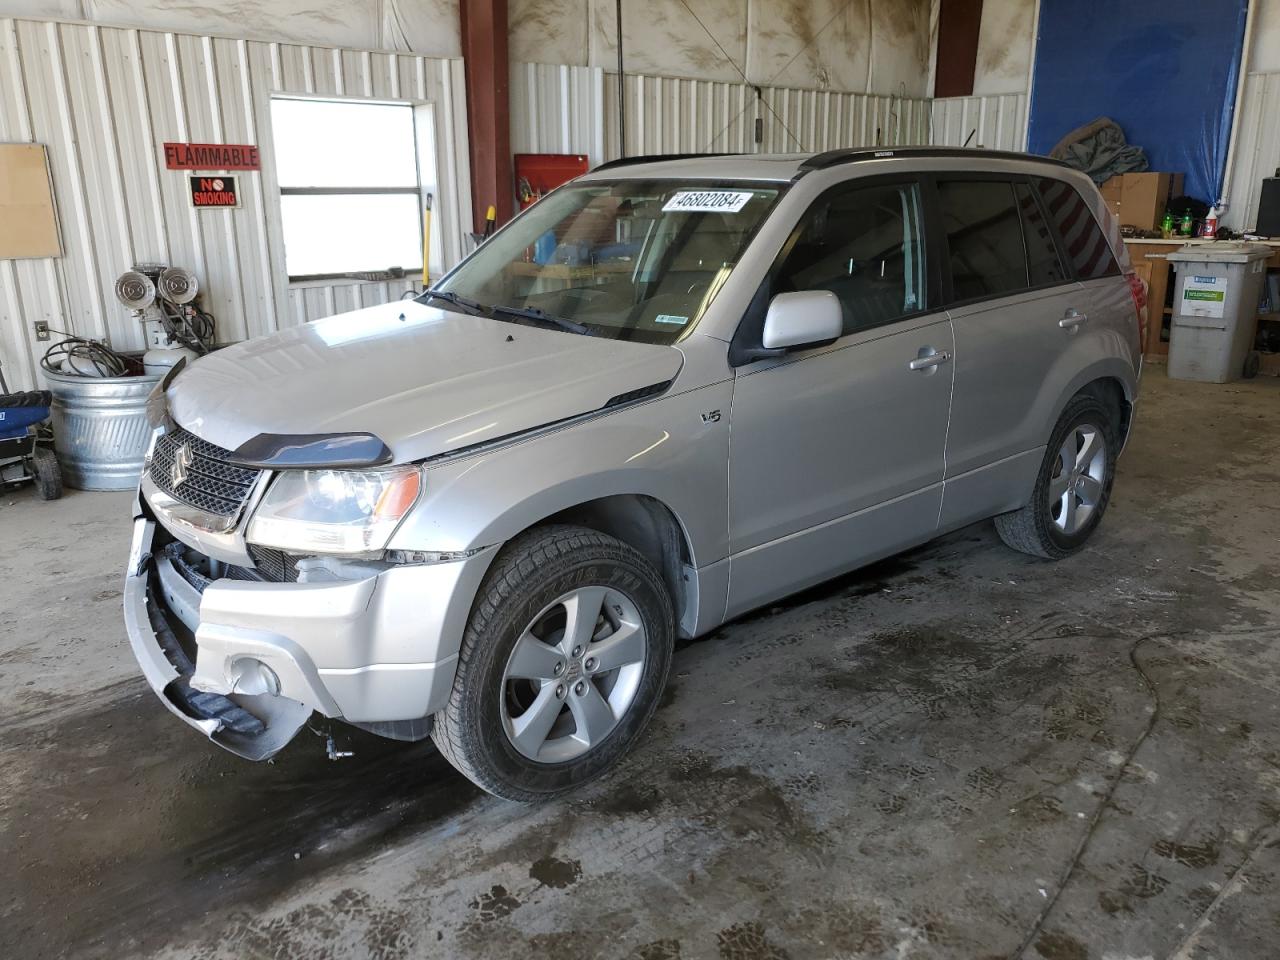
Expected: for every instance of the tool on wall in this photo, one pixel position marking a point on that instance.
(426, 242)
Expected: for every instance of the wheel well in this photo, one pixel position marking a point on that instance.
(1111, 392)
(648, 525)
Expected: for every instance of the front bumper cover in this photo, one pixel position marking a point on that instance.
(378, 649)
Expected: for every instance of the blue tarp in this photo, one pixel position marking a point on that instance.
(1166, 72)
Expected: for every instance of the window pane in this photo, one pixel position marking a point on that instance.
(985, 238)
(1043, 266)
(323, 143)
(342, 233)
(1082, 240)
(862, 244)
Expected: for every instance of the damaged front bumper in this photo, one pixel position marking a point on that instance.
(255, 726)
(247, 663)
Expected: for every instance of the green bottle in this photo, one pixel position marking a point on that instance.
(1185, 229)
(1166, 225)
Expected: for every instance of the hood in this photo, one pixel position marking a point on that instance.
(424, 380)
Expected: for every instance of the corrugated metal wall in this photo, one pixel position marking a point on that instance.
(1257, 149)
(575, 110)
(557, 109)
(669, 115)
(997, 122)
(104, 99)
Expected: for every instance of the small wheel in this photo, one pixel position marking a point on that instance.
(1073, 486)
(48, 475)
(562, 664)
(1252, 364)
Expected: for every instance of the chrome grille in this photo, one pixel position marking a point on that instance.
(206, 480)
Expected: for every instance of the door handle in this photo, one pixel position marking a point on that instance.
(931, 360)
(1073, 319)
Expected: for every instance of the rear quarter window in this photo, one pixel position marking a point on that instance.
(1083, 242)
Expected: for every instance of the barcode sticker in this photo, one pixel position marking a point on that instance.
(707, 201)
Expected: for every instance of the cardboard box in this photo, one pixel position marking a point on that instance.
(1110, 189)
(1144, 197)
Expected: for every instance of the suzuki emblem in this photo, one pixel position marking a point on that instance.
(181, 464)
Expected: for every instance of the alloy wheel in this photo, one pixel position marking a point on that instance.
(573, 674)
(1079, 478)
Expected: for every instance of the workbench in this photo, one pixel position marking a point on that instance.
(1149, 263)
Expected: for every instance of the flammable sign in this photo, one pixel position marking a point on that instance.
(215, 191)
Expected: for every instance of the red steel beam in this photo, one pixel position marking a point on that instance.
(485, 63)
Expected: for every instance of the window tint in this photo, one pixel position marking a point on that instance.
(1083, 242)
(862, 244)
(1043, 266)
(984, 236)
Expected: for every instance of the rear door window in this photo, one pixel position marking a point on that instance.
(1043, 266)
(984, 238)
(1086, 248)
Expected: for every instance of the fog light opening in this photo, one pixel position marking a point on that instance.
(253, 677)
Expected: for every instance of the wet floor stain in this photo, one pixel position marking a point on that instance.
(348, 924)
(1060, 946)
(555, 873)
(129, 822)
(748, 941)
(494, 903)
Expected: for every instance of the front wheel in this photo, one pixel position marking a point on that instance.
(1073, 486)
(562, 664)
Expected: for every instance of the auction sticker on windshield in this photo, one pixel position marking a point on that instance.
(707, 201)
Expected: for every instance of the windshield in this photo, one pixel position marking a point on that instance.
(632, 260)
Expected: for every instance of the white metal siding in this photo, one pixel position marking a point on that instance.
(669, 115)
(560, 109)
(997, 122)
(557, 109)
(1257, 148)
(104, 99)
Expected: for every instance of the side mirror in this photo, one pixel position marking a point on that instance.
(803, 319)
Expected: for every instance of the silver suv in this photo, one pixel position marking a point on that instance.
(673, 390)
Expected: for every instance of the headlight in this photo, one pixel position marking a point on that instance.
(334, 511)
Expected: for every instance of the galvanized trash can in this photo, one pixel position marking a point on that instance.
(1214, 306)
(100, 429)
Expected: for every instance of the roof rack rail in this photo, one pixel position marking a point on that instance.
(831, 158)
(658, 158)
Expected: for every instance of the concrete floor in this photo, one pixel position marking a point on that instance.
(962, 752)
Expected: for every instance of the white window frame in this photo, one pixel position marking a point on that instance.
(425, 165)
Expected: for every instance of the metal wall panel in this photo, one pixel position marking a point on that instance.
(1257, 153)
(560, 109)
(557, 109)
(996, 122)
(667, 115)
(103, 100)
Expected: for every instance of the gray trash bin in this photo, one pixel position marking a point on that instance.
(1215, 305)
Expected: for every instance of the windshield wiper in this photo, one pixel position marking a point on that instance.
(466, 303)
(541, 316)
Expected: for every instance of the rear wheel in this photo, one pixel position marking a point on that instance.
(562, 664)
(1073, 486)
(48, 475)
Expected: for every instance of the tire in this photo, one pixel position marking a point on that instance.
(1252, 364)
(1038, 528)
(522, 596)
(48, 475)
